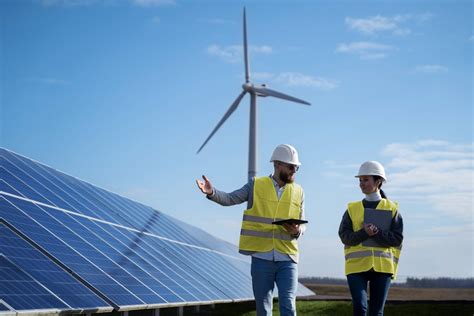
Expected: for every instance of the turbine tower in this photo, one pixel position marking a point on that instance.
(254, 91)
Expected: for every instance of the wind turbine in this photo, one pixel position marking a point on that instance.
(254, 91)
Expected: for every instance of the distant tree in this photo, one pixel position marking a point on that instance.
(443, 282)
(440, 282)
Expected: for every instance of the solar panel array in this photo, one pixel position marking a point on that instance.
(66, 245)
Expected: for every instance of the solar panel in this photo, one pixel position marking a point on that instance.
(22, 291)
(27, 258)
(115, 251)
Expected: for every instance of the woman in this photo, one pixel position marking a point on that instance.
(372, 233)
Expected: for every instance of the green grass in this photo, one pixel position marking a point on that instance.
(323, 308)
(306, 308)
(319, 308)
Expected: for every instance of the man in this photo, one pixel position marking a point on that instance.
(274, 248)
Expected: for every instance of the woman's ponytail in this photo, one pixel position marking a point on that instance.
(382, 193)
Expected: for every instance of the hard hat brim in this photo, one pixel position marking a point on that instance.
(361, 175)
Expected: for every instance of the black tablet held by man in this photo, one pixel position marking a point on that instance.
(290, 221)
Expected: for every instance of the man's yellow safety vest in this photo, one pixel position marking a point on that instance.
(360, 258)
(258, 234)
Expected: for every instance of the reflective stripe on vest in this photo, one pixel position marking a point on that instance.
(258, 234)
(360, 258)
(369, 253)
(270, 235)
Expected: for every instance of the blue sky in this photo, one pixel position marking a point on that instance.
(122, 93)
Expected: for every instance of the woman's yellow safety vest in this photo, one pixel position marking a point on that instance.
(258, 234)
(360, 258)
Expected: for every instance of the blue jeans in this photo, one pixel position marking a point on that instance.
(379, 285)
(265, 274)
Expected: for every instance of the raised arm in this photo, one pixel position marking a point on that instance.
(223, 198)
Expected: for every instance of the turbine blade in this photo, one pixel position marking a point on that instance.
(246, 57)
(224, 118)
(276, 94)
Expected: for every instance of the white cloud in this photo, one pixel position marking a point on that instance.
(296, 79)
(302, 80)
(378, 24)
(231, 54)
(372, 25)
(433, 182)
(365, 50)
(234, 53)
(402, 31)
(431, 69)
(436, 173)
(261, 49)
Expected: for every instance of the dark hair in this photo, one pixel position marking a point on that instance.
(382, 193)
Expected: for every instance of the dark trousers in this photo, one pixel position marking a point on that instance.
(379, 285)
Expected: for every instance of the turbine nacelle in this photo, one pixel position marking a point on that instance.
(248, 87)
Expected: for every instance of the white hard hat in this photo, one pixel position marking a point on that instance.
(372, 168)
(286, 153)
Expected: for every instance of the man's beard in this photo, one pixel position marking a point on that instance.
(285, 177)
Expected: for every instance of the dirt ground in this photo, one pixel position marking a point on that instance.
(325, 292)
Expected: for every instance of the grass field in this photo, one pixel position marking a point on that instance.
(334, 300)
(336, 308)
(325, 308)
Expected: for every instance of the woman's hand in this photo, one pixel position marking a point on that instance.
(371, 229)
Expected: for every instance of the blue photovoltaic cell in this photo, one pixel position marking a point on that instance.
(124, 250)
(152, 278)
(130, 276)
(3, 308)
(152, 249)
(21, 292)
(109, 247)
(78, 196)
(45, 271)
(215, 269)
(86, 199)
(65, 253)
(174, 285)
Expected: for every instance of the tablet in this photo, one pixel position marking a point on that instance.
(380, 218)
(289, 221)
